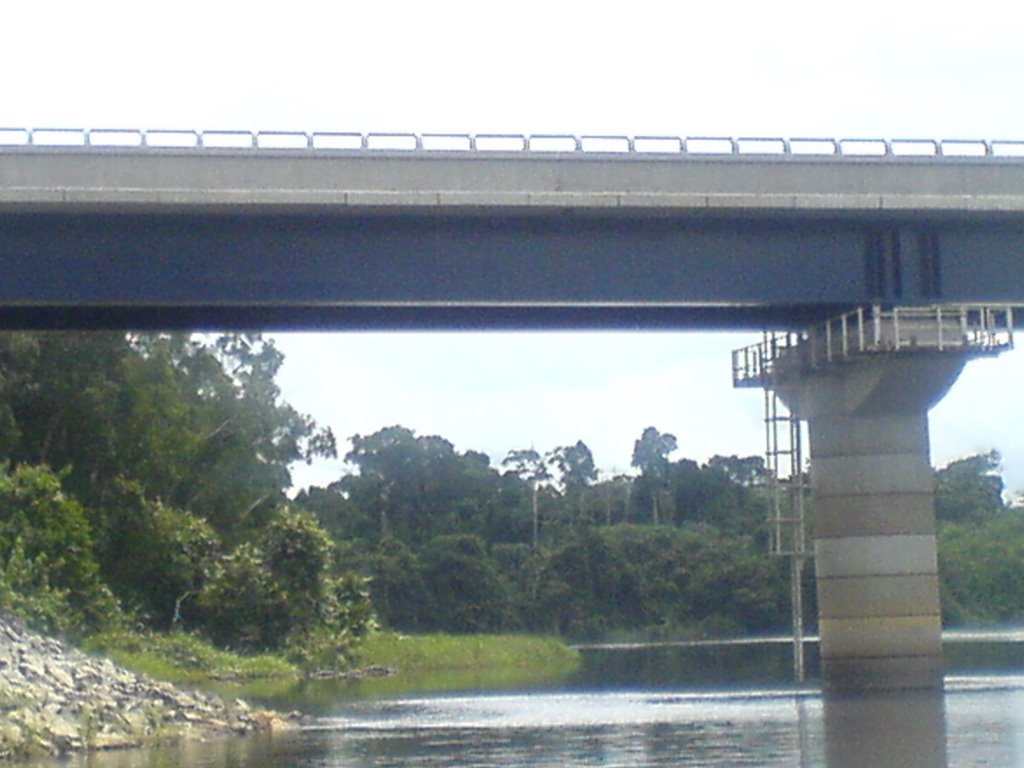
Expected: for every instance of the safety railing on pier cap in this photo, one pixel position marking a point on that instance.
(696, 146)
(972, 329)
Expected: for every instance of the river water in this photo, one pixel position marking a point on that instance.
(709, 704)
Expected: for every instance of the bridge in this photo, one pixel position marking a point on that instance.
(157, 229)
(162, 229)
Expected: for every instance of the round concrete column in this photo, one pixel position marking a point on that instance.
(874, 518)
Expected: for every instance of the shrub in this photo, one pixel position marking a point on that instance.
(50, 573)
(284, 591)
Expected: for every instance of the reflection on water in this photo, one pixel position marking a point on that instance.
(905, 729)
(577, 729)
(321, 697)
(984, 720)
(254, 752)
(644, 708)
(697, 665)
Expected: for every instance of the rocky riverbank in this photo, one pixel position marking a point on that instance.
(55, 699)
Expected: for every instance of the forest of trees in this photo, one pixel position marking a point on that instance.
(144, 482)
(541, 544)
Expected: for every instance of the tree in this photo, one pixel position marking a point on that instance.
(576, 470)
(198, 424)
(389, 463)
(285, 589)
(980, 570)
(48, 567)
(399, 591)
(584, 588)
(711, 494)
(246, 437)
(528, 465)
(746, 471)
(615, 493)
(170, 448)
(969, 490)
(156, 558)
(467, 592)
(241, 606)
(61, 402)
(650, 456)
(418, 487)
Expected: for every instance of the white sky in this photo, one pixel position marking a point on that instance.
(865, 69)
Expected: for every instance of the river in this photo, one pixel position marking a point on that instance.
(704, 704)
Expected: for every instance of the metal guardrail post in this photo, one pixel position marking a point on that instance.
(854, 150)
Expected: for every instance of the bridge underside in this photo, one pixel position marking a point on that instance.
(488, 269)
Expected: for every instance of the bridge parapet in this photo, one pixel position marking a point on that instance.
(28, 139)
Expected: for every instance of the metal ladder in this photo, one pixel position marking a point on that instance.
(784, 465)
(787, 531)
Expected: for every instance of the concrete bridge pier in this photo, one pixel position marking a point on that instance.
(874, 516)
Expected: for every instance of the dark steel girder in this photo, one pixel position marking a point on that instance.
(565, 269)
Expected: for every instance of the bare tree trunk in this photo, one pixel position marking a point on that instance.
(536, 516)
(51, 430)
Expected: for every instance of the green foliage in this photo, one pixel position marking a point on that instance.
(981, 544)
(654, 578)
(172, 452)
(650, 456)
(464, 551)
(241, 606)
(467, 594)
(297, 551)
(416, 488)
(25, 591)
(982, 571)
(398, 588)
(50, 572)
(529, 467)
(745, 471)
(197, 425)
(575, 465)
(156, 557)
(574, 588)
(345, 616)
(283, 591)
(969, 490)
(712, 495)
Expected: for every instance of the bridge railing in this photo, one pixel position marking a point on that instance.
(962, 329)
(695, 146)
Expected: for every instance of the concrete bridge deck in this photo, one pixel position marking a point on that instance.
(63, 170)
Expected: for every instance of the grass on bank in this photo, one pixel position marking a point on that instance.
(184, 658)
(429, 653)
(179, 657)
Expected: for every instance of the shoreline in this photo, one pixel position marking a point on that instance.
(56, 699)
